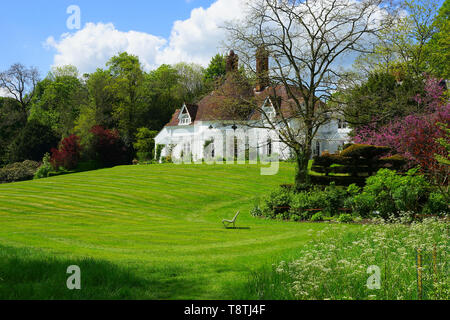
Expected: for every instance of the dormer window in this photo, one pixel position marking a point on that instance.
(270, 114)
(185, 120)
(268, 110)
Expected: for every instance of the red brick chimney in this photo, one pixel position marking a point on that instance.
(232, 62)
(262, 69)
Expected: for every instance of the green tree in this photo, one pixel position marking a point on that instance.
(58, 100)
(405, 45)
(145, 143)
(32, 142)
(162, 96)
(128, 77)
(216, 69)
(190, 81)
(12, 120)
(99, 109)
(438, 48)
(380, 99)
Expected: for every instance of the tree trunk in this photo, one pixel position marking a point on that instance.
(302, 179)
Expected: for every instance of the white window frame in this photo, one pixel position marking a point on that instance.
(185, 120)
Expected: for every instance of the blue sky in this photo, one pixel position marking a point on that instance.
(27, 24)
(35, 32)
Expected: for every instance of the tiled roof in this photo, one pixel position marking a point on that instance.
(209, 108)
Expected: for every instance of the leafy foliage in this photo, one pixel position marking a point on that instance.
(32, 142)
(145, 143)
(390, 194)
(416, 137)
(68, 154)
(357, 160)
(108, 147)
(45, 168)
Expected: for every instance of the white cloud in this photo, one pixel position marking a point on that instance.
(195, 39)
(198, 38)
(92, 46)
(5, 93)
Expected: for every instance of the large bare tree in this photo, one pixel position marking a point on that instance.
(20, 82)
(307, 42)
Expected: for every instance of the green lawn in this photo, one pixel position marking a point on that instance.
(141, 232)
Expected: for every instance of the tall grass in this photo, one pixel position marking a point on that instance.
(32, 274)
(335, 265)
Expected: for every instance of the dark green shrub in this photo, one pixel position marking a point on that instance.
(32, 142)
(338, 180)
(19, 171)
(345, 218)
(362, 204)
(88, 165)
(329, 200)
(357, 160)
(389, 194)
(282, 216)
(317, 217)
(328, 159)
(277, 202)
(145, 143)
(395, 162)
(436, 205)
(364, 151)
(334, 199)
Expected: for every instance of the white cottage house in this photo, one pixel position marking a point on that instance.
(197, 132)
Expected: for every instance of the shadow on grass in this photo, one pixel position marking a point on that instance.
(238, 228)
(29, 274)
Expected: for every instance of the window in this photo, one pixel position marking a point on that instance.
(185, 120)
(342, 124)
(186, 150)
(270, 114)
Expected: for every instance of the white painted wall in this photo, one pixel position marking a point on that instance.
(329, 137)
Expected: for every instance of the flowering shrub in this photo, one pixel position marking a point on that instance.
(19, 171)
(336, 264)
(416, 136)
(68, 154)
